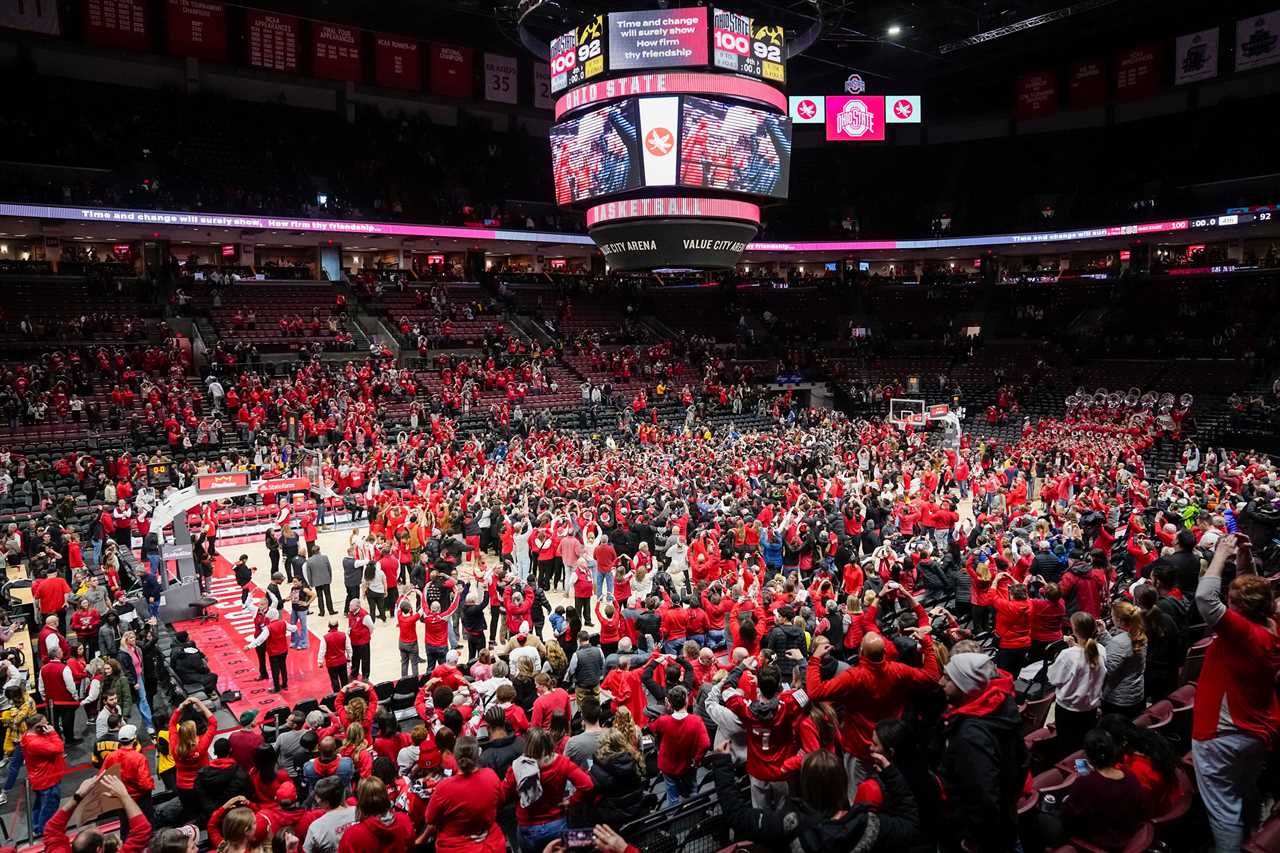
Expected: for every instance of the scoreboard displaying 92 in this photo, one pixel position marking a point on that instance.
(578, 55)
(746, 47)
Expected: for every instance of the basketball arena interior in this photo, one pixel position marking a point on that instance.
(639, 426)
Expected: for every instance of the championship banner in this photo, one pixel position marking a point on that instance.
(1258, 41)
(1087, 89)
(1036, 96)
(542, 87)
(273, 40)
(1196, 57)
(30, 17)
(807, 109)
(451, 70)
(501, 75)
(197, 28)
(395, 62)
(858, 118)
(116, 23)
(902, 109)
(1138, 72)
(335, 52)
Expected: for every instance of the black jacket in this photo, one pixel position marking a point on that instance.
(1047, 566)
(895, 827)
(618, 792)
(782, 639)
(473, 618)
(983, 769)
(499, 753)
(219, 784)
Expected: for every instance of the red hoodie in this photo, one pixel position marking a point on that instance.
(1013, 618)
(388, 833)
(870, 692)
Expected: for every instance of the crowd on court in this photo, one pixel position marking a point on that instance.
(844, 613)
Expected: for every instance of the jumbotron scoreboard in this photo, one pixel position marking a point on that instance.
(671, 129)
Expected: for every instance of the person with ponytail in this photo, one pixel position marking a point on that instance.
(1165, 652)
(1078, 675)
(462, 813)
(1126, 662)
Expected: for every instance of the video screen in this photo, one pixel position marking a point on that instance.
(734, 148)
(596, 154)
(657, 38)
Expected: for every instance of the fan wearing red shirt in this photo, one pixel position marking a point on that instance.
(407, 619)
(380, 827)
(462, 813)
(1236, 717)
(550, 699)
(1013, 623)
(435, 624)
(683, 742)
(543, 820)
(51, 593)
(772, 727)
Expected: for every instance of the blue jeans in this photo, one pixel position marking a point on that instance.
(154, 560)
(715, 639)
(535, 837)
(15, 767)
(603, 579)
(43, 806)
(679, 787)
(97, 552)
(299, 640)
(144, 707)
(1227, 771)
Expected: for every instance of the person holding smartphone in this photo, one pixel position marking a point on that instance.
(44, 753)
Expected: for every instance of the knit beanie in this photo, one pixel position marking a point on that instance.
(970, 671)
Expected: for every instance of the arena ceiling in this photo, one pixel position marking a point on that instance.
(896, 45)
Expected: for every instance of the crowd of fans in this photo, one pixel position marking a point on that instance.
(843, 612)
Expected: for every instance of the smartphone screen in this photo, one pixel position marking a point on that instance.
(579, 839)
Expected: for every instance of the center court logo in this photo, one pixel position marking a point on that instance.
(855, 120)
(659, 142)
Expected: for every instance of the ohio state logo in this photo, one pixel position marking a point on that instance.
(855, 119)
(659, 141)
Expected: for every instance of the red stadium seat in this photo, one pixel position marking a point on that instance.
(1138, 843)
(1157, 716)
(1035, 712)
(1167, 824)
(1267, 838)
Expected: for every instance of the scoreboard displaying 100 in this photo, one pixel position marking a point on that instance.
(578, 55)
(669, 38)
(747, 47)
